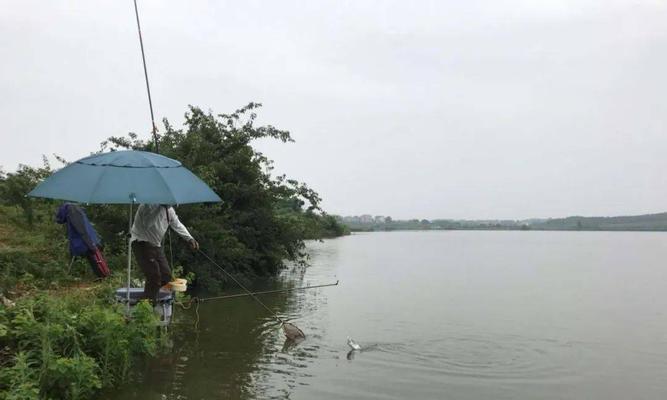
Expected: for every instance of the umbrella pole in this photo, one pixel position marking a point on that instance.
(129, 259)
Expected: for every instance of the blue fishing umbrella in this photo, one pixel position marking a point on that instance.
(126, 177)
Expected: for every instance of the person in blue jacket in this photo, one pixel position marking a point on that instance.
(83, 239)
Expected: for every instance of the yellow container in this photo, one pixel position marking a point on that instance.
(179, 285)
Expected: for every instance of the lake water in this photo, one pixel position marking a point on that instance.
(443, 314)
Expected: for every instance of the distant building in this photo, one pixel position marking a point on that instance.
(366, 219)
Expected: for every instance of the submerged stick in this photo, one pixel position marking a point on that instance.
(232, 296)
(287, 327)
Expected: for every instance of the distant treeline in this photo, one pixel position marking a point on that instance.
(647, 222)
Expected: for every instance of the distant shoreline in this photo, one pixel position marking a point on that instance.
(635, 223)
(508, 230)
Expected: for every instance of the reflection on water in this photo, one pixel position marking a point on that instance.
(462, 315)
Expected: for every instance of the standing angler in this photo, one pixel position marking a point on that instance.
(150, 224)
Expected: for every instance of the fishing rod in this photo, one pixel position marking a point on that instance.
(291, 330)
(148, 88)
(150, 105)
(233, 296)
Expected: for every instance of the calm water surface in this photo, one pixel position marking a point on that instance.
(448, 314)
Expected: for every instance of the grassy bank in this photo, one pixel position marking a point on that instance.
(61, 334)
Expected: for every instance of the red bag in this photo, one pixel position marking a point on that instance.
(98, 263)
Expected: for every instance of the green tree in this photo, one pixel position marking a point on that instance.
(15, 185)
(262, 220)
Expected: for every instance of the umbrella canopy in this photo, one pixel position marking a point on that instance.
(123, 177)
(126, 177)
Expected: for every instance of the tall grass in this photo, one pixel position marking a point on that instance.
(70, 346)
(65, 338)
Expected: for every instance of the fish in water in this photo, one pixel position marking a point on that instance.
(353, 345)
(292, 332)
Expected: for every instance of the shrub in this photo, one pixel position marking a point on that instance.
(262, 221)
(20, 379)
(71, 378)
(15, 185)
(67, 346)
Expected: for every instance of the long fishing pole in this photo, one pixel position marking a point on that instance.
(233, 296)
(150, 105)
(148, 87)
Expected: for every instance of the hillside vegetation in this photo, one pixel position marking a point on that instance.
(62, 335)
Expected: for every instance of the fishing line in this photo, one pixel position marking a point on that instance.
(171, 251)
(198, 300)
(197, 319)
(232, 296)
(291, 331)
(251, 294)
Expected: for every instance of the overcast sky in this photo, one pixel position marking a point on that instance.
(451, 109)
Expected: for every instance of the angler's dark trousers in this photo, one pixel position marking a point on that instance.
(153, 263)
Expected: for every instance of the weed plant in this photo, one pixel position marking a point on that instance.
(71, 345)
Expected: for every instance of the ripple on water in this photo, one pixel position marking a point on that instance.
(507, 357)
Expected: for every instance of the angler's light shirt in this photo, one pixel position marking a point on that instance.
(151, 223)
